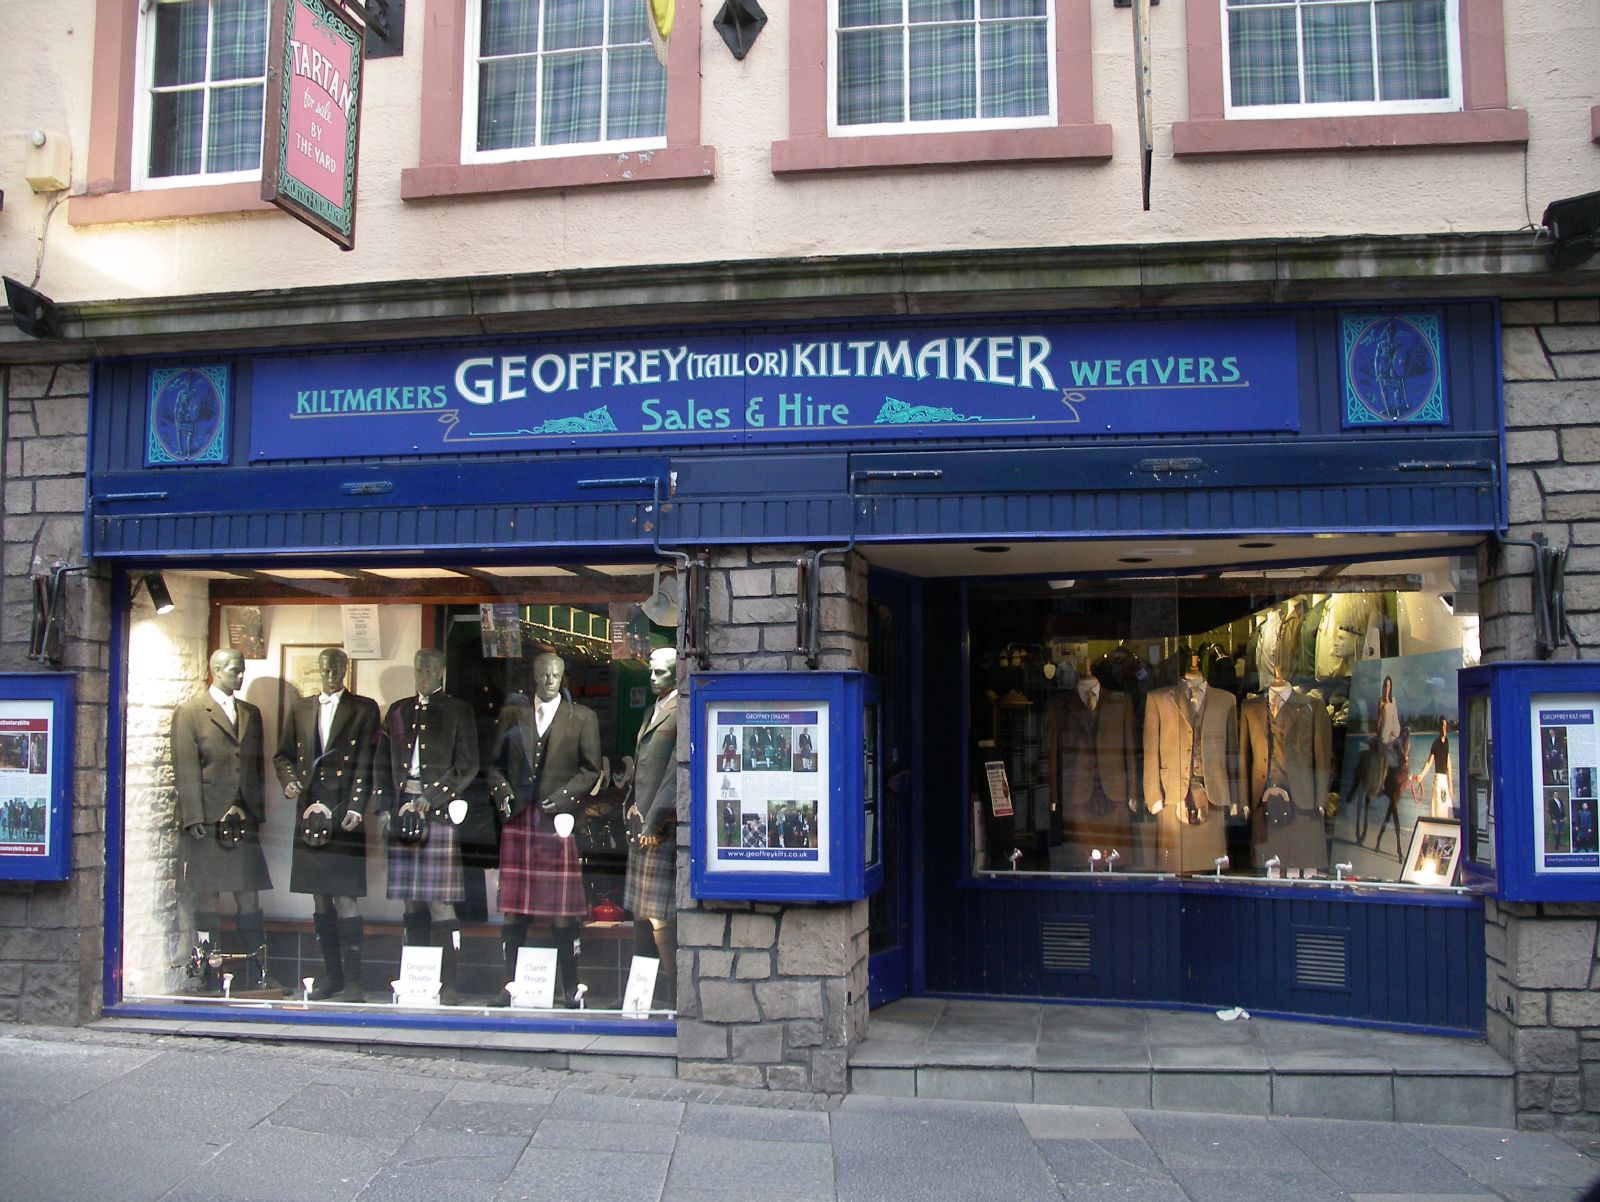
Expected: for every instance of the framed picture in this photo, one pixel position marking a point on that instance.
(36, 729)
(299, 677)
(1434, 853)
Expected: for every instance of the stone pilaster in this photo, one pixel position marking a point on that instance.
(1542, 970)
(770, 995)
(50, 932)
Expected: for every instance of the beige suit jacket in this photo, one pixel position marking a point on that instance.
(1169, 739)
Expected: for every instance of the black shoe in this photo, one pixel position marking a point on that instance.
(500, 1000)
(325, 991)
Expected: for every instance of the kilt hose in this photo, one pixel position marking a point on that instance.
(540, 874)
(649, 891)
(430, 872)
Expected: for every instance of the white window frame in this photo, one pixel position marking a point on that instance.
(472, 61)
(1452, 103)
(882, 128)
(144, 77)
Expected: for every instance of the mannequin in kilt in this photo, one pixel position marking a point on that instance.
(545, 762)
(427, 755)
(324, 763)
(652, 814)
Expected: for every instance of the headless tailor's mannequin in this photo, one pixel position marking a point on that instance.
(649, 892)
(1190, 744)
(1284, 747)
(427, 756)
(217, 766)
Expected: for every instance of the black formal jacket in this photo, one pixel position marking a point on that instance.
(448, 734)
(340, 776)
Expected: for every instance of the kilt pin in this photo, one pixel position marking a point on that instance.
(444, 733)
(537, 777)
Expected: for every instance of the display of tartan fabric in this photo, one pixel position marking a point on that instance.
(564, 72)
(429, 871)
(540, 873)
(1337, 51)
(207, 86)
(941, 60)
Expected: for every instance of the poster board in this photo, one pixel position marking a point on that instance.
(36, 723)
(785, 785)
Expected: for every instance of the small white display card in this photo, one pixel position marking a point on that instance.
(420, 976)
(999, 789)
(641, 988)
(361, 631)
(535, 985)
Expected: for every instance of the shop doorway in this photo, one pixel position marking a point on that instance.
(893, 619)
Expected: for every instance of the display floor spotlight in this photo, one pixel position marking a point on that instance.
(1573, 224)
(160, 597)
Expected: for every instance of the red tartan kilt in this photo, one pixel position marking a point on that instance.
(539, 871)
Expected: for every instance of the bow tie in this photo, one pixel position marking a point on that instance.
(329, 699)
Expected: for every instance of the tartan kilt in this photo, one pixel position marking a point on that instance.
(649, 891)
(431, 872)
(540, 874)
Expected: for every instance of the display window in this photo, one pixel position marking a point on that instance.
(401, 788)
(1291, 724)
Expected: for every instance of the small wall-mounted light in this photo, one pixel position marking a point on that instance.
(160, 597)
(1573, 224)
(32, 312)
(740, 22)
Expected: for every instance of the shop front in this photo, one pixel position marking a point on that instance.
(1163, 615)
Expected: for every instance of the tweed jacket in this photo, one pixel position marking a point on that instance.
(1101, 739)
(340, 775)
(1307, 740)
(655, 774)
(1169, 741)
(216, 766)
(560, 770)
(448, 735)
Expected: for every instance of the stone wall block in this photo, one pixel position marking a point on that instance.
(1528, 313)
(1552, 953)
(62, 418)
(71, 379)
(1578, 311)
(1578, 1008)
(719, 599)
(1565, 339)
(747, 1076)
(752, 930)
(1576, 367)
(812, 942)
(761, 611)
(758, 1044)
(1522, 355)
(830, 1071)
(702, 1041)
(54, 457)
(1533, 1091)
(790, 999)
(1545, 1050)
(735, 640)
(1581, 444)
(698, 928)
(728, 1002)
(29, 380)
(1525, 500)
(805, 1033)
(790, 1077)
(1549, 404)
(716, 964)
(754, 966)
(1566, 1094)
(750, 582)
(1533, 446)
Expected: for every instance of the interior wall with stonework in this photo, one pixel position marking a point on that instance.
(771, 995)
(1543, 975)
(50, 932)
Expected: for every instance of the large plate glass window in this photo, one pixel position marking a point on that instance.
(1290, 58)
(1280, 725)
(202, 89)
(923, 66)
(396, 789)
(561, 77)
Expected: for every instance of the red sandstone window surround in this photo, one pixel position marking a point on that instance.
(1484, 117)
(441, 170)
(809, 147)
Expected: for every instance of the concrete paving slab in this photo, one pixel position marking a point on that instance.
(1221, 1057)
(1232, 1142)
(1127, 1163)
(273, 1164)
(555, 1175)
(767, 1126)
(889, 1082)
(45, 1073)
(598, 1135)
(975, 1084)
(504, 1093)
(1217, 1091)
(357, 1111)
(1368, 1097)
(67, 1163)
(1372, 1157)
(390, 1186)
(1121, 1054)
(603, 1108)
(1229, 1185)
(1513, 1164)
(723, 1169)
(498, 1118)
(448, 1156)
(124, 1109)
(996, 1053)
(1469, 1101)
(1076, 1122)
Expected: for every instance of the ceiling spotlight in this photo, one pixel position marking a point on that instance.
(160, 595)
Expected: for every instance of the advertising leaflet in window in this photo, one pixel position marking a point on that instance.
(768, 773)
(25, 779)
(1566, 761)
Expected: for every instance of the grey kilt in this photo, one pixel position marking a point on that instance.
(431, 872)
(209, 867)
(649, 890)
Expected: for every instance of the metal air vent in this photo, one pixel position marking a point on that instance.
(1067, 946)
(1321, 960)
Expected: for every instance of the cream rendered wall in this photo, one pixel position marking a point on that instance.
(746, 213)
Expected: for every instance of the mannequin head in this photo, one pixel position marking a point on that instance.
(548, 671)
(663, 670)
(331, 667)
(227, 670)
(429, 667)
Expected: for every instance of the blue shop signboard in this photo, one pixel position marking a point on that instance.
(1062, 379)
(785, 768)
